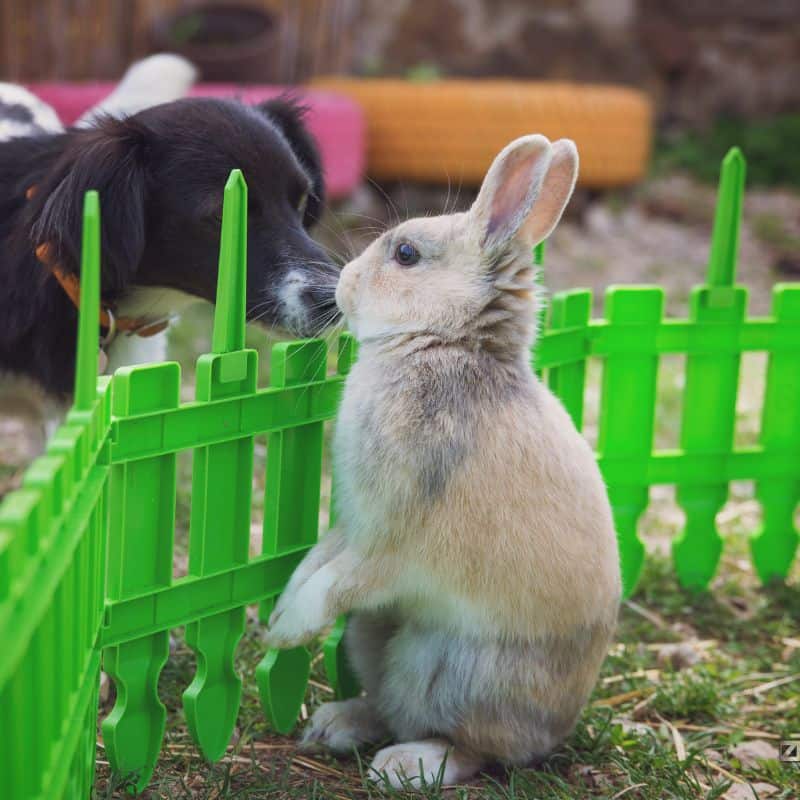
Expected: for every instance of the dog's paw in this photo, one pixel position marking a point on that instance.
(343, 725)
(415, 764)
(301, 615)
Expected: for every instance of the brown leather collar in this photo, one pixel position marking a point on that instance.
(72, 288)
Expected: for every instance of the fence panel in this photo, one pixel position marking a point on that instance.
(52, 572)
(222, 479)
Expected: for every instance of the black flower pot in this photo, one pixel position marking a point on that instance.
(228, 43)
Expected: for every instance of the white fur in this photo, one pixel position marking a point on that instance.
(154, 80)
(298, 615)
(43, 118)
(419, 593)
(126, 351)
(411, 762)
(289, 295)
(342, 725)
(151, 303)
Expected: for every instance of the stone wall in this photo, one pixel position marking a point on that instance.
(698, 58)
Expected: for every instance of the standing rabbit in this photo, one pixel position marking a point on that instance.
(475, 547)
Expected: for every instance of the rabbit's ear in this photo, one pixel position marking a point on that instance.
(525, 191)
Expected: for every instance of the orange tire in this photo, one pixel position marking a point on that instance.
(451, 130)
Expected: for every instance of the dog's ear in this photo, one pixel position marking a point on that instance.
(288, 115)
(110, 159)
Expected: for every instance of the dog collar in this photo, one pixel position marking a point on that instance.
(133, 326)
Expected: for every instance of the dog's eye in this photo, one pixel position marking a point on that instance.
(302, 203)
(406, 255)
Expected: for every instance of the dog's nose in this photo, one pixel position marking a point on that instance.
(321, 301)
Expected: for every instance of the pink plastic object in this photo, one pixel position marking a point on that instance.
(336, 121)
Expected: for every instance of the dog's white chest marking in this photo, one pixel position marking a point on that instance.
(151, 303)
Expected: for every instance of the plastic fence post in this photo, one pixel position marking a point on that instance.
(142, 528)
(627, 413)
(337, 668)
(291, 519)
(90, 560)
(570, 310)
(711, 385)
(89, 318)
(222, 478)
(774, 545)
(727, 218)
(229, 315)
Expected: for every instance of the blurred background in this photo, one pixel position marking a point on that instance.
(708, 74)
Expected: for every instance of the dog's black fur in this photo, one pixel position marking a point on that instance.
(160, 175)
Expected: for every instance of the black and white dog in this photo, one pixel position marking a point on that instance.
(160, 173)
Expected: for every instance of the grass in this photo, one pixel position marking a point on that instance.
(690, 678)
(652, 730)
(771, 229)
(769, 144)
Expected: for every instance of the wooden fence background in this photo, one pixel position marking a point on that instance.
(97, 39)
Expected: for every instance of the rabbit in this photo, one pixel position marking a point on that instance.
(475, 548)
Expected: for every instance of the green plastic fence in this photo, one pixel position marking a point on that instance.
(86, 544)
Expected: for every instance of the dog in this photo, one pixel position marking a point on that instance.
(160, 174)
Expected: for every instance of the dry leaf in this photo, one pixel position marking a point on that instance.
(746, 791)
(677, 656)
(636, 728)
(750, 753)
(105, 688)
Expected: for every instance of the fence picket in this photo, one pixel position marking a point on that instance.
(222, 477)
(140, 540)
(291, 519)
(774, 545)
(627, 414)
(712, 380)
(570, 310)
(709, 415)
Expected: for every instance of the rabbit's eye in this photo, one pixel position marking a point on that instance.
(406, 255)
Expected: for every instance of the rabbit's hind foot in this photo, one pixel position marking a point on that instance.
(343, 725)
(423, 763)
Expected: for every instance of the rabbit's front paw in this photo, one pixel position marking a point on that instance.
(301, 615)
